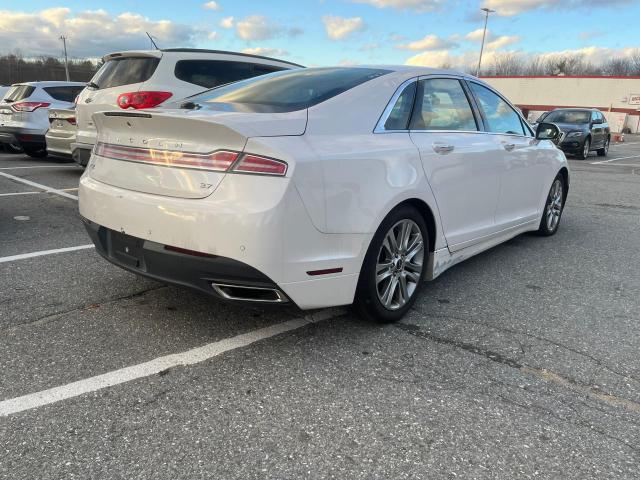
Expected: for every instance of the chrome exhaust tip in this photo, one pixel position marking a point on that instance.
(245, 293)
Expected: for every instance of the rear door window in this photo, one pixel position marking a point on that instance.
(213, 73)
(501, 118)
(18, 92)
(442, 105)
(64, 94)
(125, 71)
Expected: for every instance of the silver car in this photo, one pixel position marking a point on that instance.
(62, 132)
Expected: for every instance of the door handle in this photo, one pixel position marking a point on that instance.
(509, 146)
(442, 148)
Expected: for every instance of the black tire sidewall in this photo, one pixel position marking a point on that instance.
(367, 302)
(543, 229)
(582, 156)
(35, 152)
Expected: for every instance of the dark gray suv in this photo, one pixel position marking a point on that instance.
(585, 130)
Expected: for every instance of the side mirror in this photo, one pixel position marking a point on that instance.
(548, 131)
(597, 121)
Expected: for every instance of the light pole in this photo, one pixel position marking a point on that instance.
(486, 11)
(66, 61)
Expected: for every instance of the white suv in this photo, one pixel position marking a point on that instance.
(24, 113)
(146, 79)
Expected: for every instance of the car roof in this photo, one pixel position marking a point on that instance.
(50, 83)
(576, 109)
(157, 54)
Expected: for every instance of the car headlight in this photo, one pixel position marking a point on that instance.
(574, 134)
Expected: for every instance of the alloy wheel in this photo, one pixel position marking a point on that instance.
(399, 264)
(554, 205)
(585, 149)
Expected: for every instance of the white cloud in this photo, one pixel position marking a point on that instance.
(266, 51)
(501, 42)
(492, 42)
(508, 8)
(430, 42)
(89, 33)
(226, 22)
(211, 6)
(339, 28)
(416, 5)
(259, 27)
(213, 35)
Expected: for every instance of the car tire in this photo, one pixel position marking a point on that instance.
(586, 147)
(553, 208)
(602, 152)
(35, 152)
(394, 267)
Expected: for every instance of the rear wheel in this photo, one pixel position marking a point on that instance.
(553, 208)
(585, 149)
(394, 267)
(602, 152)
(35, 152)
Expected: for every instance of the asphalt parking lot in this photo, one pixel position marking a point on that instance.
(522, 362)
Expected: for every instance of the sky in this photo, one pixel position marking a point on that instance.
(326, 32)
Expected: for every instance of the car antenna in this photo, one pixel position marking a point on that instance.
(152, 42)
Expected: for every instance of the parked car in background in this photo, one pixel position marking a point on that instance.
(146, 79)
(321, 187)
(24, 113)
(62, 132)
(584, 129)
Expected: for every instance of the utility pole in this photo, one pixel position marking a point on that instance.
(66, 60)
(487, 11)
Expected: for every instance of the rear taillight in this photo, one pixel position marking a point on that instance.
(140, 100)
(262, 165)
(219, 161)
(28, 106)
(71, 120)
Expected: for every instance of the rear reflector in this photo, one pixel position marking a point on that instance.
(28, 106)
(326, 271)
(262, 165)
(219, 161)
(140, 100)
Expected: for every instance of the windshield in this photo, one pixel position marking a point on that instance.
(125, 71)
(289, 90)
(18, 92)
(569, 116)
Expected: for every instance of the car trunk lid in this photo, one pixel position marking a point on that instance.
(178, 153)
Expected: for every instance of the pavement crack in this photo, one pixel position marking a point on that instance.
(87, 306)
(548, 376)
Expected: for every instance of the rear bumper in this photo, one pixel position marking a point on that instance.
(22, 136)
(59, 145)
(258, 228)
(159, 262)
(81, 153)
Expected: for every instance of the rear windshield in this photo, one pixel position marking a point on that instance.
(125, 71)
(290, 90)
(18, 92)
(64, 94)
(569, 116)
(213, 73)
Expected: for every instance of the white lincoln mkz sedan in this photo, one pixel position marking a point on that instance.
(322, 186)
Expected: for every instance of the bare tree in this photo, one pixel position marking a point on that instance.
(617, 66)
(507, 64)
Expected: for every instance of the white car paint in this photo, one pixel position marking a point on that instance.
(344, 176)
(36, 122)
(163, 78)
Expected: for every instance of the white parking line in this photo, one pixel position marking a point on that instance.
(34, 193)
(39, 185)
(615, 159)
(40, 166)
(41, 253)
(157, 365)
